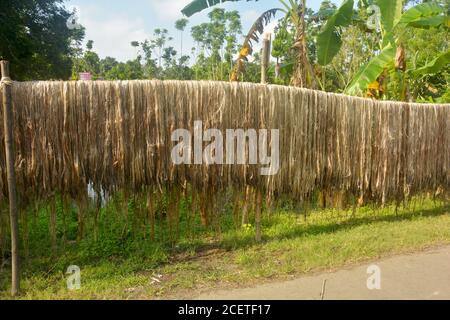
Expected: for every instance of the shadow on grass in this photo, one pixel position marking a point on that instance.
(302, 230)
(234, 240)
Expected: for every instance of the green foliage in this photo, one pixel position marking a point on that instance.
(391, 12)
(283, 41)
(425, 15)
(161, 37)
(89, 62)
(370, 72)
(434, 66)
(329, 40)
(394, 27)
(131, 70)
(216, 43)
(338, 44)
(115, 267)
(35, 39)
(178, 70)
(181, 24)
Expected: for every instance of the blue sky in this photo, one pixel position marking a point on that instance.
(114, 24)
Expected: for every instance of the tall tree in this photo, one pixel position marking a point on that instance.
(216, 41)
(234, 29)
(88, 62)
(161, 38)
(35, 38)
(180, 25)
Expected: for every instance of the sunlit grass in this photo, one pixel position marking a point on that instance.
(291, 245)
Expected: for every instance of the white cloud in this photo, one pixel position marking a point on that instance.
(270, 28)
(168, 9)
(113, 30)
(250, 16)
(113, 34)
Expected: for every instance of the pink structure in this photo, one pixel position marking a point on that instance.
(85, 76)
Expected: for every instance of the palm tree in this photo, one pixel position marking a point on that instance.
(180, 25)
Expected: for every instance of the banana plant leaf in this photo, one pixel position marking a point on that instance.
(431, 22)
(252, 36)
(200, 5)
(428, 11)
(371, 71)
(329, 40)
(391, 13)
(437, 64)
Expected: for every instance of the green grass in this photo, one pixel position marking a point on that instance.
(123, 268)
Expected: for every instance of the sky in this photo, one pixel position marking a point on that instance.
(113, 25)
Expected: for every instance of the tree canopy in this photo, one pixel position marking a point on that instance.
(35, 39)
(404, 57)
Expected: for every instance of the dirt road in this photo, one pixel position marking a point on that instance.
(424, 275)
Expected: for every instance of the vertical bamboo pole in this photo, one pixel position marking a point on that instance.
(258, 209)
(265, 58)
(9, 147)
(246, 206)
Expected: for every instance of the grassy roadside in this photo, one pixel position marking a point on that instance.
(291, 246)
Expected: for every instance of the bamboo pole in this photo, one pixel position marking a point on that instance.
(258, 209)
(265, 58)
(9, 147)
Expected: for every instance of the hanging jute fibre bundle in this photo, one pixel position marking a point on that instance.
(117, 136)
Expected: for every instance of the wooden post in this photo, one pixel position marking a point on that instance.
(9, 151)
(265, 58)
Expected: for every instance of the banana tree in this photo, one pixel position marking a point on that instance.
(253, 36)
(391, 56)
(303, 75)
